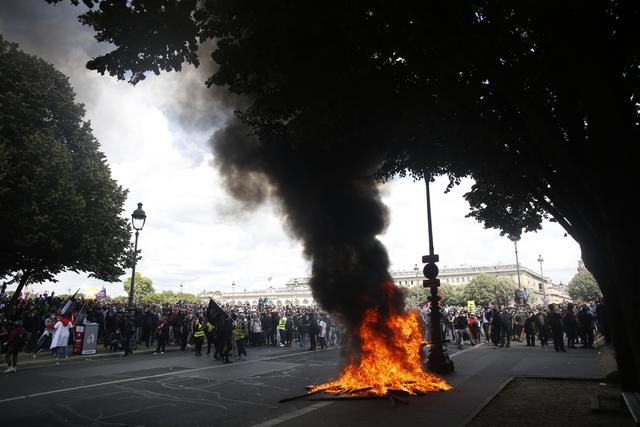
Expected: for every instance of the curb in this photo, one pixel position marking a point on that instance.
(48, 360)
(487, 401)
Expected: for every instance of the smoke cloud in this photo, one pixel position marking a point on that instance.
(330, 201)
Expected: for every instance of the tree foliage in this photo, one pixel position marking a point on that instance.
(487, 289)
(59, 207)
(173, 297)
(583, 287)
(144, 292)
(142, 288)
(453, 295)
(484, 289)
(537, 102)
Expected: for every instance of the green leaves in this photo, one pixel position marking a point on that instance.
(144, 292)
(142, 288)
(59, 207)
(583, 287)
(484, 289)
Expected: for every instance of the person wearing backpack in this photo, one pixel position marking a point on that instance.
(15, 343)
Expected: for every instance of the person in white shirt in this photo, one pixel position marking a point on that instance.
(61, 336)
(322, 333)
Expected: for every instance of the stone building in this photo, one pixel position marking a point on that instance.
(297, 290)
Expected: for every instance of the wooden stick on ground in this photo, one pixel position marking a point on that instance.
(288, 399)
(398, 399)
(368, 397)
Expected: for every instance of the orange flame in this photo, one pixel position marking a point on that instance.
(387, 363)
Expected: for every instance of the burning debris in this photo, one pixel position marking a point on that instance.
(389, 363)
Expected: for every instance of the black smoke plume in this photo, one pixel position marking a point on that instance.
(331, 202)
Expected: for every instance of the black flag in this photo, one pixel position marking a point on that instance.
(69, 302)
(215, 312)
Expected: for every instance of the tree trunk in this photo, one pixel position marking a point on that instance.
(613, 265)
(23, 281)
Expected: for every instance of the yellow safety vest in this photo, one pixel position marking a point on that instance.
(239, 329)
(281, 323)
(199, 331)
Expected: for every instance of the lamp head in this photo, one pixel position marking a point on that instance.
(138, 218)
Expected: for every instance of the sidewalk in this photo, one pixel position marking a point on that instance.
(481, 374)
(545, 400)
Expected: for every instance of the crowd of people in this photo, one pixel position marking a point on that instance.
(499, 325)
(44, 325)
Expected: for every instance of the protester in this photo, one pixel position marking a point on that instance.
(60, 340)
(555, 322)
(162, 332)
(322, 333)
(17, 338)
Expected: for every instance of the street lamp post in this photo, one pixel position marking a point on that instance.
(515, 240)
(544, 285)
(417, 270)
(233, 289)
(138, 218)
(438, 360)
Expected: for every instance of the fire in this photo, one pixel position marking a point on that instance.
(387, 363)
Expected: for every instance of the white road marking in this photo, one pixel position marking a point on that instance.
(466, 349)
(126, 380)
(292, 415)
(272, 422)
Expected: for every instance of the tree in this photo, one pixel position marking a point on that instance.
(486, 289)
(59, 207)
(173, 297)
(583, 287)
(453, 295)
(535, 102)
(142, 288)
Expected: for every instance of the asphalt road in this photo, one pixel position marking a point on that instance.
(179, 389)
(174, 389)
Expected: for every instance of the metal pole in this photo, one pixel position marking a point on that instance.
(133, 277)
(515, 244)
(426, 181)
(544, 284)
(438, 360)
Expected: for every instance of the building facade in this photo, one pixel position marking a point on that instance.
(298, 292)
(529, 279)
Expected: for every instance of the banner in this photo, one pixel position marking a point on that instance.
(471, 305)
(101, 295)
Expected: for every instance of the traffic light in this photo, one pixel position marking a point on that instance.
(540, 287)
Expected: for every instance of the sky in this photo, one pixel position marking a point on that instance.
(155, 136)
